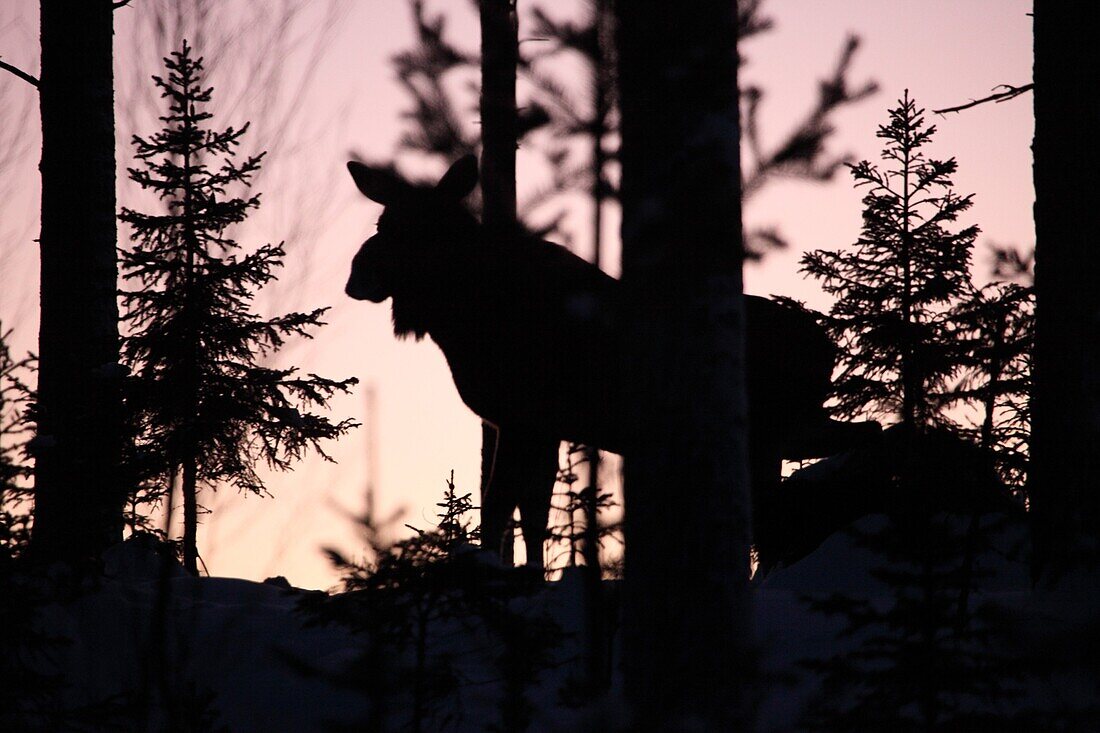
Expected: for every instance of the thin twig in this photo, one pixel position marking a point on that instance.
(1010, 92)
(20, 73)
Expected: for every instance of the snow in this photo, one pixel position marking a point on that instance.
(839, 565)
(249, 642)
(228, 635)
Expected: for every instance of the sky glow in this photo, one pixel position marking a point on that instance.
(945, 52)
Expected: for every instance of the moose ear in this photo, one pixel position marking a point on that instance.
(460, 179)
(380, 185)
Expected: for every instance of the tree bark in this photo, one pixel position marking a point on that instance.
(688, 638)
(1066, 401)
(499, 56)
(595, 642)
(189, 490)
(79, 495)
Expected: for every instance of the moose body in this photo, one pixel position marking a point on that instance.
(906, 473)
(529, 332)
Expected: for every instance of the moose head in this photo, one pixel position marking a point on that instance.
(412, 251)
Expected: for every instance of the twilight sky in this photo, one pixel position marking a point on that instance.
(944, 51)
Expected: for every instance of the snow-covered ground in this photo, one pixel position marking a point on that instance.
(249, 643)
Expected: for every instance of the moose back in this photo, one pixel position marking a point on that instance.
(529, 333)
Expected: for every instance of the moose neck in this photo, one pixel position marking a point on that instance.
(429, 304)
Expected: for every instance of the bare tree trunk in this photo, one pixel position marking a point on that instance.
(79, 497)
(499, 55)
(688, 639)
(1066, 402)
(595, 626)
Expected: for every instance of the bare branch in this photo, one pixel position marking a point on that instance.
(20, 73)
(1009, 92)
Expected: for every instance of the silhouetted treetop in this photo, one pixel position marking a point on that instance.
(895, 288)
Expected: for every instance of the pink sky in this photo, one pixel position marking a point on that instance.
(943, 51)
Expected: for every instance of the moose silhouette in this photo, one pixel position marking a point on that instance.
(529, 331)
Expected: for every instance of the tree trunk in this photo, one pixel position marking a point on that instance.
(189, 486)
(499, 55)
(189, 489)
(687, 617)
(595, 642)
(79, 494)
(1066, 402)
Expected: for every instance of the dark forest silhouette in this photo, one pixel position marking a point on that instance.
(704, 390)
(79, 491)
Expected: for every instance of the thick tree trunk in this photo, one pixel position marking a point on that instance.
(595, 642)
(688, 659)
(79, 497)
(1066, 403)
(499, 55)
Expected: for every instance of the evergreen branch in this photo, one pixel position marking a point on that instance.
(749, 20)
(579, 38)
(559, 96)
(799, 154)
(565, 179)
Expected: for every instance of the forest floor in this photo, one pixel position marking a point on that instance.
(249, 655)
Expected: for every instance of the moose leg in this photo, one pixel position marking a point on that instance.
(536, 491)
(765, 469)
(496, 504)
(524, 472)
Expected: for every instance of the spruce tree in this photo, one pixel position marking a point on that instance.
(916, 338)
(995, 332)
(411, 597)
(423, 72)
(205, 409)
(29, 684)
(895, 289)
